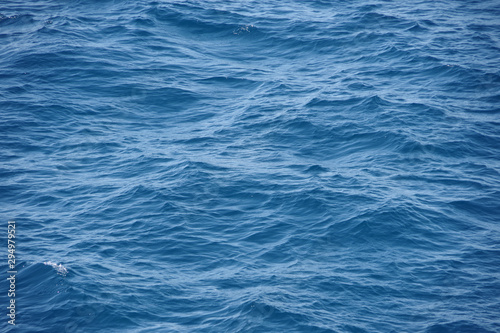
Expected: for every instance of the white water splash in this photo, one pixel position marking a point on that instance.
(59, 268)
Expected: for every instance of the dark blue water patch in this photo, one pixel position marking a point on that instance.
(457, 326)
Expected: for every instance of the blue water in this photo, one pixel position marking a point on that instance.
(251, 166)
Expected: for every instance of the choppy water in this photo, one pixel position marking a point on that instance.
(252, 166)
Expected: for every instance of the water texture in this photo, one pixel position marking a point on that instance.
(251, 166)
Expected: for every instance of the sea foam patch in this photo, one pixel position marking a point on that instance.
(59, 268)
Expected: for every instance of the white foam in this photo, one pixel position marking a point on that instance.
(59, 268)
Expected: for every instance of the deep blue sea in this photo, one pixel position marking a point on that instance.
(251, 166)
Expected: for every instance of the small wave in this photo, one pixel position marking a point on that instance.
(59, 268)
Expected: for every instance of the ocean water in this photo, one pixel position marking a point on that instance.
(251, 166)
